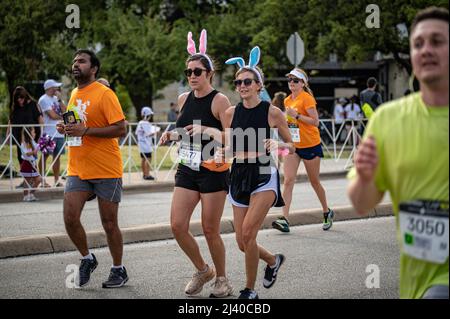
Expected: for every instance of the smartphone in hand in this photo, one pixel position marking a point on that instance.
(69, 118)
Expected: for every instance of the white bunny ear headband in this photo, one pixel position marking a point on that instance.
(255, 54)
(202, 46)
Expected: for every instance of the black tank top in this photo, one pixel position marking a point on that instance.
(254, 120)
(200, 109)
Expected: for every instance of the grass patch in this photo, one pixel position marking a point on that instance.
(135, 165)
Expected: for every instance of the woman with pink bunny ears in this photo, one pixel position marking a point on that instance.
(199, 178)
(255, 181)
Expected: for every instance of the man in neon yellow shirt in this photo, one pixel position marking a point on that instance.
(406, 152)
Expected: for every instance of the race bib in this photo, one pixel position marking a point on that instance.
(74, 141)
(424, 230)
(190, 155)
(295, 132)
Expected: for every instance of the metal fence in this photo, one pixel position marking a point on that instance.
(339, 141)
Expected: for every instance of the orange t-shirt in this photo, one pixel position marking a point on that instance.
(309, 134)
(97, 157)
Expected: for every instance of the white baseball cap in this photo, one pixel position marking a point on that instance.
(51, 84)
(146, 111)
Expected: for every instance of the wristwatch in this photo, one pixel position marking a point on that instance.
(298, 117)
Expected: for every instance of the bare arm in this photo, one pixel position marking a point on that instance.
(61, 102)
(311, 119)
(222, 106)
(277, 120)
(362, 191)
(227, 119)
(173, 135)
(53, 115)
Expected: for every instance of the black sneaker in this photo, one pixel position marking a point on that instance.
(117, 278)
(328, 219)
(282, 224)
(149, 178)
(270, 275)
(87, 266)
(248, 294)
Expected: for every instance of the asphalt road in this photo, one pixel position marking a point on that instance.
(323, 265)
(45, 217)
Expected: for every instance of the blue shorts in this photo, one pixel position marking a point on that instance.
(59, 141)
(309, 153)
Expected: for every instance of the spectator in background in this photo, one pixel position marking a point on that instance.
(370, 95)
(172, 115)
(353, 113)
(264, 95)
(24, 110)
(146, 133)
(278, 100)
(52, 108)
(104, 81)
(339, 117)
(325, 127)
(28, 167)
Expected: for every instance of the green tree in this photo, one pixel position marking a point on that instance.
(334, 26)
(25, 29)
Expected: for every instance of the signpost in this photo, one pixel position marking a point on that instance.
(295, 49)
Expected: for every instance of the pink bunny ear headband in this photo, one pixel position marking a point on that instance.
(255, 54)
(202, 46)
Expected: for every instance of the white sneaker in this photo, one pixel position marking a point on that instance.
(26, 198)
(222, 288)
(33, 198)
(198, 280)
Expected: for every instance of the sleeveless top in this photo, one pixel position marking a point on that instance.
(199, 109)
(250, 127)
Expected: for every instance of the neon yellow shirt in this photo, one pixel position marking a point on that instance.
(413, 148)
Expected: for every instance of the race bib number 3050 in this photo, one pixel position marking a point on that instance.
(424, 229)
(190, 155)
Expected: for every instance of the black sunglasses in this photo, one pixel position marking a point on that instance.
(247, 82)
(196, 71)
(293, 80)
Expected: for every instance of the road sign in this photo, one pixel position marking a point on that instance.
(295, 49)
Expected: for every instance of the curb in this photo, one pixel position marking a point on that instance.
(156, 187)
(56, 243)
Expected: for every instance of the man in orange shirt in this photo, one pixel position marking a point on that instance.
(94, 165)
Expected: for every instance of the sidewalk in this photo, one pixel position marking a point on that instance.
(133, 182)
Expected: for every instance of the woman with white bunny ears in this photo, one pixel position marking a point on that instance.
(198, 178)
(303, 121)
(255, 181)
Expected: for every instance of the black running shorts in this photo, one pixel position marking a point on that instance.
(202, 181)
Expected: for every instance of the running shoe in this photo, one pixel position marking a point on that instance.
(248, 294)
(282, 224)
(328, 219)
(87, 266)
(117, 278)
(270, 274)
(199, 279)
(222, 288)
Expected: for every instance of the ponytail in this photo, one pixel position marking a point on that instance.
(308, 89)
